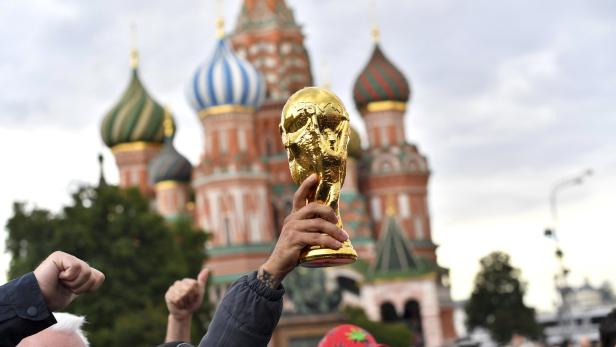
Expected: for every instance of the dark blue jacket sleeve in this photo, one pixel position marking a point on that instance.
(23, 311)
(247, 315)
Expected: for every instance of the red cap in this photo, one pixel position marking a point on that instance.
(348, 335)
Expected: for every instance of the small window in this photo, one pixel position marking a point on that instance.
(269, 147)
(255, 230)
(384, 137)
(375, 205)
(386, 167)
(419, 228)
(403, 205)
(134, 180)
(241, 137)
(224, 145)
(227, 226)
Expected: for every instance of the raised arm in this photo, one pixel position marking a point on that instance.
(251, 308)
(183, 298)
(26, 303)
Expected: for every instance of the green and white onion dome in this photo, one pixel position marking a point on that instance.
(137, 117)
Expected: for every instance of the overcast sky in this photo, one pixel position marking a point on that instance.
(509, 97)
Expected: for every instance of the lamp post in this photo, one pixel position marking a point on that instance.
(560, 279)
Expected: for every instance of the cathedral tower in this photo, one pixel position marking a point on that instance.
(230, 182)
(353, 208)
(133, 129)
(170, 173)
(267, 35)
(404, 281)
(392, 168)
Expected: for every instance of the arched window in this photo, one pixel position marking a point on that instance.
(412, 317)
(388, 312)
(386, 167)
(348, 284)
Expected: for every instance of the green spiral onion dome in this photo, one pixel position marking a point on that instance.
(354, 147)
(137, 117)
(380, 80)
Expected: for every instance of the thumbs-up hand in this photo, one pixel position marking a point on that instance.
(186, 296)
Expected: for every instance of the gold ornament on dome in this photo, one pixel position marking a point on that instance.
(224, 109)
(315, 131)
(134, 146)
(385, 105)
(168, 126)
(134, 53)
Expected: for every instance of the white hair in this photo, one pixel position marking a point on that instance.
(70, 323)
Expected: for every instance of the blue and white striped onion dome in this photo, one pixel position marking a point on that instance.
(226, 79)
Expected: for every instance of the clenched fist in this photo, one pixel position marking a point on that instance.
(62, 277)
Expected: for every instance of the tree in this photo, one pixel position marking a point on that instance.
(140, 253)
(391, 334)
(497, 301)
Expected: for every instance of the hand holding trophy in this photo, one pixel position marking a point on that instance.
(315, 132)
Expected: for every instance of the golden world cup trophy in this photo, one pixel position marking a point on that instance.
(315, 131)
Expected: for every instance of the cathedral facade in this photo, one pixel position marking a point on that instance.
(241, 190)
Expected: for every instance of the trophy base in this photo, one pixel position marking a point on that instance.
(317, 256)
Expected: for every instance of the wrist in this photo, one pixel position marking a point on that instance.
(270, 277)
(178, 328)
(180, 318)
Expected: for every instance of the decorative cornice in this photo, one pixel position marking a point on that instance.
(134, 146)
(200, 180)
(247, 248)
(429, 276)
(169, 184)
(387, 105)
(224, 109)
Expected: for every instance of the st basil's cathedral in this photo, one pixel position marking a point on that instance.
(241, 190)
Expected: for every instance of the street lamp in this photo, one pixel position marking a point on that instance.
(561, 277)
(566, 183)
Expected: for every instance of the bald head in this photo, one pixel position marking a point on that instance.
(66, 333)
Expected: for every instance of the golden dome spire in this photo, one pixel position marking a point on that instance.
(376, 31)
(168, 127)
(376, 34)
(134, 53)
(220, 21)
(220, 27)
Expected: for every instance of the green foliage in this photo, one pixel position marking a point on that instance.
(390, 334)
(497, 301)
(140, 253)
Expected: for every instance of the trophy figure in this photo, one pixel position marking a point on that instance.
(315, 132)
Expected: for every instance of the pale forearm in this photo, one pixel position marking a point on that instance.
(178, 329)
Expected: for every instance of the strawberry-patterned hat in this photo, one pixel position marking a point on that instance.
(348, 335)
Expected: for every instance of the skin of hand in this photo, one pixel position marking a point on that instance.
(308, 224)
(183, 298)
(62, 277)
